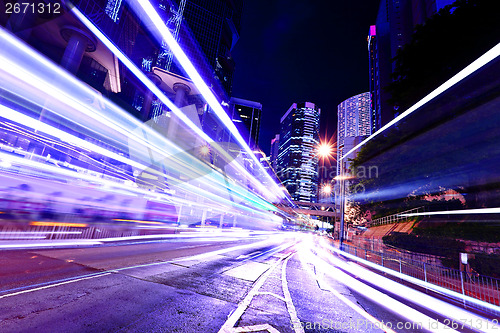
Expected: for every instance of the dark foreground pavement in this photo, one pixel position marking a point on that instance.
(270, 283)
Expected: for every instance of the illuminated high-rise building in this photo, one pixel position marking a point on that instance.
(297, 165)
(373, 64)
(247, 113)
(354, 121)
(207, 32)
(395, 24)
(275, 149)
(353, 125)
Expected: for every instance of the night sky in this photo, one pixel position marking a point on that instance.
(302, 50)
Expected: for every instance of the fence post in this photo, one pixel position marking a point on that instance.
(425, 273)
(462, 281)
(366, 257)
(382, 255)
(400, 267)
(496, 283)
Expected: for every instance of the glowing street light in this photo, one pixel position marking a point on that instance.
(327, 189)
(325, 150)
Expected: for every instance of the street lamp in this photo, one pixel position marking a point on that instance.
(342, 194)
(327, 189)
(325, 150)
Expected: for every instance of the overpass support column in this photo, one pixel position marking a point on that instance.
(203, 217)
(221, 220)
(179, 212)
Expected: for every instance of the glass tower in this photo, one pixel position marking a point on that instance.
(354, 121)
(248, 113)
(297, 158)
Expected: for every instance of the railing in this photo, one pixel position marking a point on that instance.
(481, 287)
(66, 232)
(394, 217)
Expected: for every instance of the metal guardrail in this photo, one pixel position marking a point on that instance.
(480, 287)
(394, 217)
(65, 232)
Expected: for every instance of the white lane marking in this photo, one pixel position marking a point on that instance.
(249, 271)
(243, 305)
(194, 257)
(255, 328)
(297, 327)
(52, 285)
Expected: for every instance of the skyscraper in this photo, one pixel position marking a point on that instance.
(207, 31)
(353, 125)
(212, 30)
(373, 64)
(275, 148)
(395, 24)
(248, 113)
(354, 122)
(298, 159)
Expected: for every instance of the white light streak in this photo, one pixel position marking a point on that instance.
(495, 210)
(158, 93)
(186, 64)
(419, 282)
(477, 64)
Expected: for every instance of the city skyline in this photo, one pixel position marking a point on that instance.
(271, 33)
(134, 195)
(289, 52)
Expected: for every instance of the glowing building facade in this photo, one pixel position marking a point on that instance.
(373, 64)
(206, 30)
(215, 25)
(354, 121)
(395, 24)
(248, 114)
(297, 162)
(275, 149)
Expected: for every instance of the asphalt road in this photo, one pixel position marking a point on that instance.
(263, 283)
